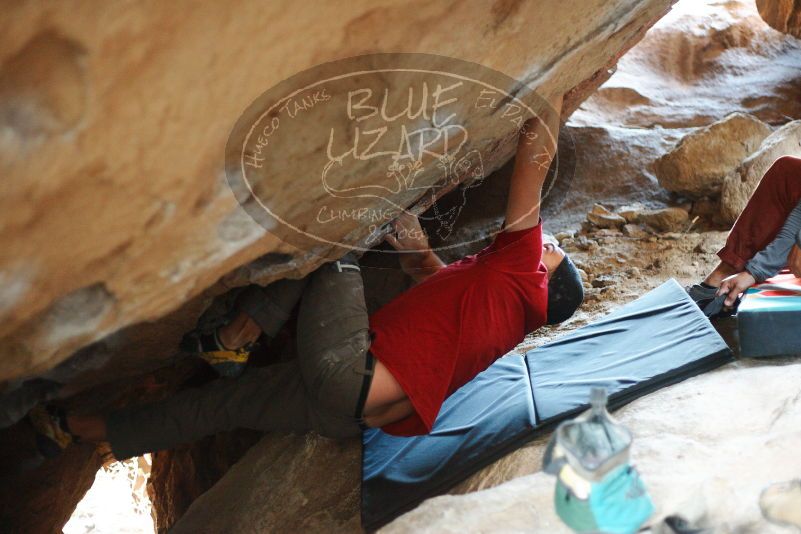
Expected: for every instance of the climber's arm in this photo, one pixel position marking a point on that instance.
(782, 252)
(536, 147)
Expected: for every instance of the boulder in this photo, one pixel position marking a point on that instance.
(277, 487)
(697, 166)
(782, 15)
(603, 218)
(738, 186)
(114, 120)
(635, 231)
(181, 475)
(631, 212)
(671, 219)
(701, 62)
(698, 64)
(613, 166)
(665, 219)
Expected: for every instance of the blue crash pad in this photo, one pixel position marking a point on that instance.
(657, 340)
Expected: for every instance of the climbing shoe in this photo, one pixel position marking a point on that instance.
(50, 426)
(226, 362)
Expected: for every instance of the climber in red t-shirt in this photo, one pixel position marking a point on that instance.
(459, 318)
(393, 369)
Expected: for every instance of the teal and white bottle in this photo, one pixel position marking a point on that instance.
(597, 489)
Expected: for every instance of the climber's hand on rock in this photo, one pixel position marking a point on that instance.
(734, 285)
(416, 258)
(794, 261)
(408, 235)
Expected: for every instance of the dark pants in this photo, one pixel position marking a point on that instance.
(772, 201)
(323, 390)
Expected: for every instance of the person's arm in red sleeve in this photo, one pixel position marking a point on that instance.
(536, 147)
(410, 240)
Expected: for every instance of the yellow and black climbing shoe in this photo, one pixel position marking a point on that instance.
(50, 426)
(226, 362)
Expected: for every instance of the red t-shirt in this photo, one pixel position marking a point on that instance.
(438, 335)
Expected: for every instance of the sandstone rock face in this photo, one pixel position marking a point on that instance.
(603, 218)
(277, 486)
(665, 219)
(700, 63)
(697, 166)
(42, 499)
(737, 187)
(181, 475)
(783, 15)
(115, 117)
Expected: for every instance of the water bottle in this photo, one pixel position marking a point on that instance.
(597, 489)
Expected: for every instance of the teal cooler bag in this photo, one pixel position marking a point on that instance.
(769, 318)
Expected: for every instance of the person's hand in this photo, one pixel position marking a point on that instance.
(408, 234)
(734, 285)
(794, 261)
(417, 260)
(409, 239)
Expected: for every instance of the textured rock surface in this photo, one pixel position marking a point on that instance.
(724, 437)
(738, 186)
(277, 485)
(38, 496)
(603, 218)
(181, 475)
(121, 113)
(697, 166)
(703, 61)
(665, 219)
(783, 15)
(41, 499)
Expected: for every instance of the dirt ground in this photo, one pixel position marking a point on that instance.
(621, 268)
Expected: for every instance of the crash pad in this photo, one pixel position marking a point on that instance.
(657, 340)
(769, 318)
